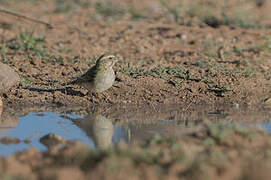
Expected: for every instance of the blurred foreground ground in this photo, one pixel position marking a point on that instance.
(232, 152)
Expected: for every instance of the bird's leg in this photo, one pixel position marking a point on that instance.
(93, 100)
(65, 91)
(92, 97)
(106, 98)
(93, 107)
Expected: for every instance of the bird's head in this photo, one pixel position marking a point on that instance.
(106, 61)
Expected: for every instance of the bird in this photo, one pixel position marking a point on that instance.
(100, 77)
(99, 128)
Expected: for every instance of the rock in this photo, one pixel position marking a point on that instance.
(56, 143)
(8, 77)
(9, 140)
(52, 140)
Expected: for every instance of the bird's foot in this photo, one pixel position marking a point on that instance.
(106, 98)
(92, 98)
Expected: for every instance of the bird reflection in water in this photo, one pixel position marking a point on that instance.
(102, 130)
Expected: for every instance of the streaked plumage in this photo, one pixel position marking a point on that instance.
(100, 77)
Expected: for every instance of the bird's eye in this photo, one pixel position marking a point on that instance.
(110, 58)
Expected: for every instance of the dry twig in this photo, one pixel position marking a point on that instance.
(27, 18)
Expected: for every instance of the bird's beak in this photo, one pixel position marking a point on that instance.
(117, 59)
(114, 61)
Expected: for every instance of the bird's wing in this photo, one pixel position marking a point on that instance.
(89, 76)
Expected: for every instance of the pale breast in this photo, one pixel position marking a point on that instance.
(104, 81)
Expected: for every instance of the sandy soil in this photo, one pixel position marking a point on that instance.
(170, 54)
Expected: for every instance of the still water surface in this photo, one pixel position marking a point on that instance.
(98, 131)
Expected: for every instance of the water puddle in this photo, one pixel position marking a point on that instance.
(33, 126)
(101, 131)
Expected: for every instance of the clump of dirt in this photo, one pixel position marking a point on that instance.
(195, 52)
(226, 152)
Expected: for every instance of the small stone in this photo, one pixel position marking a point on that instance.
(9, 140)
(35, 62)
(8, 77)
(55, 143)
(181, 36)
(51, 140)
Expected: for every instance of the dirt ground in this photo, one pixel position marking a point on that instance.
(172, 52)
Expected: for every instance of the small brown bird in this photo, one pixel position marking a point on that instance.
(100, 77)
